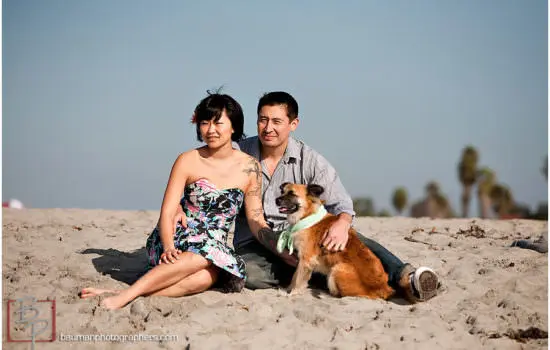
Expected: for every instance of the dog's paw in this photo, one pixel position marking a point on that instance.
(296, 291)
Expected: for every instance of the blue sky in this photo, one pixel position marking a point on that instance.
(97, 95)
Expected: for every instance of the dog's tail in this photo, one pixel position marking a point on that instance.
(379, 289)
(374, 277)
(386, 292)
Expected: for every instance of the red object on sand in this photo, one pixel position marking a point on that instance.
(13, 203)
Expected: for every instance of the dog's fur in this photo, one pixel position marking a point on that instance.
(355, 271)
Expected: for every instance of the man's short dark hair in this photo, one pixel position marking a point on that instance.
(276, 98)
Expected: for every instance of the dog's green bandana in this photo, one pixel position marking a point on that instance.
(285, 238)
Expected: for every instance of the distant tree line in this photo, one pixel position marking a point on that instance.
(495, 198)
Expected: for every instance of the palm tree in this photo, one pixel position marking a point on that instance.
(434, 204)
(486, 181)
(502, 200)
(399, 199)
(438, 204)
(432, 189)
(364, 206)
(443, 206)
(467, 174)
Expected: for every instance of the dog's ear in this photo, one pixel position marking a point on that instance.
(315, 190)
(282, 187)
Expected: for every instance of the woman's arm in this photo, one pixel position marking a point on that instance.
(170, 202)
(255, 212)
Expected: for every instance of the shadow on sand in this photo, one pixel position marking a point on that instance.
(121, 266)
(129, 267)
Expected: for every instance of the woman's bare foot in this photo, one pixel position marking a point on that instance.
(115, 302)
(94, 292)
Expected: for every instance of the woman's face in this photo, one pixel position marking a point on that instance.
(216, 133)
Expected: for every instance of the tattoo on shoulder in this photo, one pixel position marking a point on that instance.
(252, 168)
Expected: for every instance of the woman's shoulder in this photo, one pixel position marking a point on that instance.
(249, 166)
(245, 158)
(188, 156)
(195, 152)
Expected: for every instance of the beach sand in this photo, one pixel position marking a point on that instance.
(492, 296)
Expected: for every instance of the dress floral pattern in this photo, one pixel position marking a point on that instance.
(210, 214)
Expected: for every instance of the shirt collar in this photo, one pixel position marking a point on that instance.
(292, 152)
(291, 155)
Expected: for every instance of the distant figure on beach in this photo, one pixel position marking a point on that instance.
(215, 180)
(539, 245)
(13, 204)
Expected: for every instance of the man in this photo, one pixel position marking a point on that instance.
(284, 159)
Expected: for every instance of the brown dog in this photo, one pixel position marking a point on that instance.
(355, 271)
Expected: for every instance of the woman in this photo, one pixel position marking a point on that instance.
(215, 180)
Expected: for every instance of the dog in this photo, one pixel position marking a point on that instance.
(355, 271)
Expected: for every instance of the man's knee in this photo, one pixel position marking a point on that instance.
(263, 269)
(259, 276)
(362, 238)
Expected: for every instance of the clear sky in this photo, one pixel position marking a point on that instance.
(97, 95)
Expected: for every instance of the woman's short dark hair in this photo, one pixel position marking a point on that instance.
(212, 107)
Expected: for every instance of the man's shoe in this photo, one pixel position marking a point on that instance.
(418, 285)
(425, 282)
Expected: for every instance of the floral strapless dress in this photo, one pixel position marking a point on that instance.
(210, 214)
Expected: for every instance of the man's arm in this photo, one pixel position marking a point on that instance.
(268, 238)
(337, 200)
(345, 217)
(255, 213)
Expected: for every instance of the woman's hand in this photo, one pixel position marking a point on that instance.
(180, 218)
(170, 256)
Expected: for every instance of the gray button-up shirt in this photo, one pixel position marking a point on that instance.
(300, 164)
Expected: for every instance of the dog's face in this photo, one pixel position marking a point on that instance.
(298, 201)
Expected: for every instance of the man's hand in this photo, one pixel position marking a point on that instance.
(290, 259)
(336, 237)
(180, 218)
(268, 238)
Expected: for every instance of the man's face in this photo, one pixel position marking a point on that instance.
(274, 126)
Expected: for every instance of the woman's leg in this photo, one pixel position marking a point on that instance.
(192, 284)
(159, 278)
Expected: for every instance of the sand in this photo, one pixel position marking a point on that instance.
(492, 296)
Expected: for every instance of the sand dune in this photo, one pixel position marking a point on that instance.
(492, 296)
